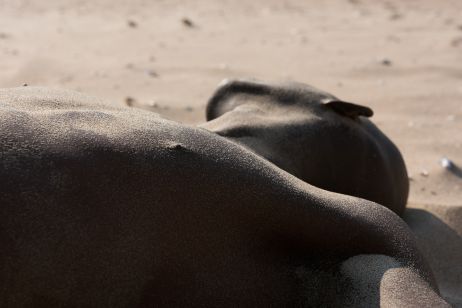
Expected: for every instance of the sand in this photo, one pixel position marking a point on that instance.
(401, 58)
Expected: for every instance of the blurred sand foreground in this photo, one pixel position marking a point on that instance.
(401, 58)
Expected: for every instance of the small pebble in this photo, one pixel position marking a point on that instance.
(187, 22)
(386, 62)
(395, 16)
(132, 23)
(424, 173)
(153, 104)
(24, 84)
(446, 163)
(152, 73)
(129, 101)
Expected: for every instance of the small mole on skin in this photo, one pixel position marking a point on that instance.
(177, 147)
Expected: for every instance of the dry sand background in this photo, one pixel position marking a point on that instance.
(402, 58)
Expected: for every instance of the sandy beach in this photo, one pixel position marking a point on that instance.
(401, 58)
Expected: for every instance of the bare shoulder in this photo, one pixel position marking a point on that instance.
(51, 129)
(44, 118)
(37, 98)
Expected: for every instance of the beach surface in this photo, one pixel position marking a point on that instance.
(401, 58)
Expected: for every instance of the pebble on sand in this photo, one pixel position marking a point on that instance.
(446, 163)
(385, 62)
(187, 22)
(129, 101)
(153, 104)
(395, 16)
(424, 173)
(152, 73)
(132, 23)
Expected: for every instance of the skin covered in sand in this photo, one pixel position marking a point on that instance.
(313, 135)
(378, 280)
(112, 207)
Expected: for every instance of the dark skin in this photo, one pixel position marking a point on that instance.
(107, 207)
(313, 135)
